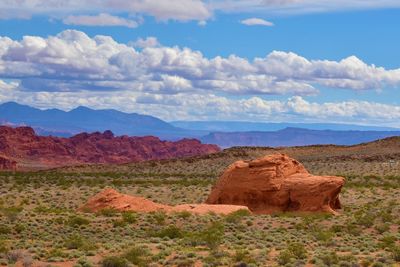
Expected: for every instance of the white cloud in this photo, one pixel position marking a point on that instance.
(181, 10)
(8, 86)
(102, 19)
(289, 7)
(147, 42)
(188, 106)
(256, 22)
(73, 61)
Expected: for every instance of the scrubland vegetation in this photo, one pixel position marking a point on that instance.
(39, 222)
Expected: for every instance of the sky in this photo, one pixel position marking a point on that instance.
(238, 60)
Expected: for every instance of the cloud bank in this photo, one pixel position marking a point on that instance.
(181, 10)
(72, 69)
(73, 61)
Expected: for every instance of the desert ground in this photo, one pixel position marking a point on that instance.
(40, 224)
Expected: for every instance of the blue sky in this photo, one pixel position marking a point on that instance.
(309, 61)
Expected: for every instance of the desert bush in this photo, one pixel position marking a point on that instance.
(237, 216)
(14, 255)
(329, 258)
(75, 221)
(171, 232)
(396, 253)
(3, 247)
(213, 235)
(79, 242)
(388, 241)
(83, 262)
(11, 213)
(160, 217)
(323, 235)
(114, 261)
(4, 230)
(119, 223)
(293, 251)
(137, 255)
(129, 217)
(243, 256)
(382, 227)
(110, 212)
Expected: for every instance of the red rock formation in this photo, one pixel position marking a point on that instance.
(7, 164)
(276, 183)
(31, 151)
(111, 199)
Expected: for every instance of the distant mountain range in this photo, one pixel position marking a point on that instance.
(244, 126)
(61, 123)
(295, 137)
(223, 133)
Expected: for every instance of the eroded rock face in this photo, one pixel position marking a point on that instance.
(276, 183)
(111, 199)
(32, 151)
(7, 164)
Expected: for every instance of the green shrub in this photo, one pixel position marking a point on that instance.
(79, 242)
(323, 235)
(138, 256)
(330, 258)
(160, 217)
(388, 241)
(382, 227)
(83, 262)
(237, 216)
(75, 221)
(213, 235)
(119, 223)
(4, 230)
(396, 253)
(129, 217)
(110, 212)
(114, 261)
(171, 231)
(293, 251)
(184, 214)
(3, 247)
(243, 256)
(284, 257)
(11, 213)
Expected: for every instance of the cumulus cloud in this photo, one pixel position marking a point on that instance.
(73, 61)
(102, 19)
(257, 22)
(147, 42)
(188, 106)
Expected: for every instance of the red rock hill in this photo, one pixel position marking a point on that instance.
(29, 151)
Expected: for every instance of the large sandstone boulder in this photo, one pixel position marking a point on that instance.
(276, 183)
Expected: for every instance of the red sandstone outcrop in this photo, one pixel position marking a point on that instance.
(31, 151)
(276, 183)
(7, 164)
(111, 199)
